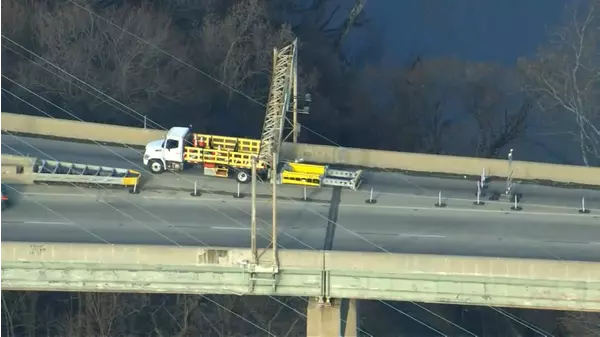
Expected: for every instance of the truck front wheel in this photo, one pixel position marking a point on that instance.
(242, 176)
(155, 166)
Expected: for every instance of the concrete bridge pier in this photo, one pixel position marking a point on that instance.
(332, 318)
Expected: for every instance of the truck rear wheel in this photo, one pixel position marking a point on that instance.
(242, 176)
(155, 166)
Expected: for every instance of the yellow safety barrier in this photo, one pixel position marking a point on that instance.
(319, 153)
(308, 168)
(302, 174)
(132, 179)
(300, 178)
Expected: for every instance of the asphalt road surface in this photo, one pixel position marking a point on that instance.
(404, 218)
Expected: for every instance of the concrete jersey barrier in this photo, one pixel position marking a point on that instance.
(62, 128)
(377, 159)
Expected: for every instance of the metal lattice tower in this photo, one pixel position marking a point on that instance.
(283, 82)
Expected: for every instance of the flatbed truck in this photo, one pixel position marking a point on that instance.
(222, 156)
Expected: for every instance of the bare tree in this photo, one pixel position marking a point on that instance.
(97, 314)
(449, 106)
(16, 20)
(582, 324)
(499, 109)
(174, 316)
(106, 57)
(238, 46)
(281, 318)
(234, 46)
(423, 100)
(566, 76)
(17, 25)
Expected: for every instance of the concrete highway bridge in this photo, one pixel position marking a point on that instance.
(542, 252)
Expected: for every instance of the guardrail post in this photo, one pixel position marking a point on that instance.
(196, 192)
(371, 200)
(509, 178)
(483, 178)
(515, 206)
(305, 194)
(583, 210)
(478, 201)
(440, 202)
(135, 189)
(238, 194)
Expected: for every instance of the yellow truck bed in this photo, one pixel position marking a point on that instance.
(197, 155)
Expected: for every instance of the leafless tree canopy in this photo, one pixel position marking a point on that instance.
(186, 62)
(450, 106)
(208, 63)
(566, 76)
(35, 314)
(42, 314)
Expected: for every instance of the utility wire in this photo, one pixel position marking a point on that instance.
(116, 209)
(137, 113)
(189, 65)
(107, 242)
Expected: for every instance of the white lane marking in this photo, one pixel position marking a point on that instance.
(157, 197)
(379, 206)
(406, 195)
(431, 236)
(60, 194)
(230, 228)
(47, 223)
(495, 203)
(472, 210)
(358, 205)
(433, 197)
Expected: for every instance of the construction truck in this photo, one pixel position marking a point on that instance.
(226, 156)
(222, 156)
(219, 156)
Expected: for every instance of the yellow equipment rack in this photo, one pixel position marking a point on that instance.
(231, 152)
(222, 150)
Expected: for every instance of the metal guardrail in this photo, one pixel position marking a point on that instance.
(343, 178)
(64, 172)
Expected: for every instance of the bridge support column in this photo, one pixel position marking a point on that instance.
(338, 319)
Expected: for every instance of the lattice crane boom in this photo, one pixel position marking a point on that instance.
(280, 94)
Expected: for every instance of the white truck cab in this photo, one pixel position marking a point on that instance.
(167, 153)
